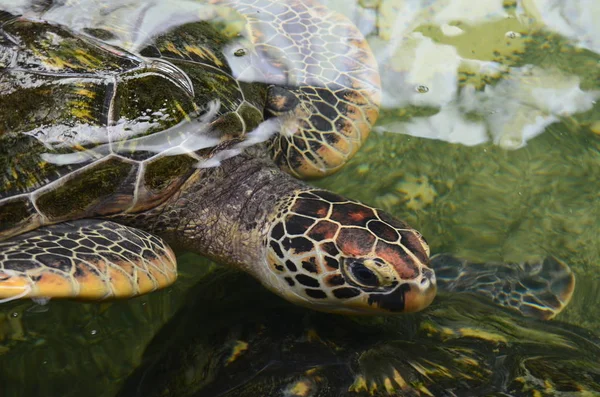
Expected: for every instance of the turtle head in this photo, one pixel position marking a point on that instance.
(337, 255)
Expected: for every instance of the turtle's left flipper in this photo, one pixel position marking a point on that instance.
(84, 259)
(536, 289)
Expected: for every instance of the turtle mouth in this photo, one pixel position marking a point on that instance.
(408, 297)
(386, 294)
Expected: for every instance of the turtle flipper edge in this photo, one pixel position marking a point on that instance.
(538, 289)
(84, 259)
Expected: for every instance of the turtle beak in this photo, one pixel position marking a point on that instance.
(410, 296)
(421, 294)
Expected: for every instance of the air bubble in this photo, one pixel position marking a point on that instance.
(42, 300)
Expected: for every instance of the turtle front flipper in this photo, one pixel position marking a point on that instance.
(84, 259)
(539, 289)
(326, 88)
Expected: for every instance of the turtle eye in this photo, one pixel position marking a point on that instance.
(363, 275)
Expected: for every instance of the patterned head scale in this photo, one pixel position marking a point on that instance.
(339, 255)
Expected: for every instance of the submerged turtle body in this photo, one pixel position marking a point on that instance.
(459, 346)
(111, 156)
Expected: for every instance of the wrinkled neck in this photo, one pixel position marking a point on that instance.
(223, 212)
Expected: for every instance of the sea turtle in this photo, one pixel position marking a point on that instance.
(459, 347)
(110, 155)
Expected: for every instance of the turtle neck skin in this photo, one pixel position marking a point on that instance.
(223, 212)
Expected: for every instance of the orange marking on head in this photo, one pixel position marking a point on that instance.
(352, 214)
(311, 207)
(350, 247)
(330, 268)
(396, 256)
(357, 216)
(322, 212)
(383, 231)
(323, 230)
(311, 264)
(355, 242)
(334, 280)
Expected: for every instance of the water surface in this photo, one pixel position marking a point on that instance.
(488, 143)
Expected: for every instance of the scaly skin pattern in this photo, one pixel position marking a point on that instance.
(330, 249)
(326, 85)
(69, 172)
(85, 259)
(310, 246)
(246, 212)
(539, 289)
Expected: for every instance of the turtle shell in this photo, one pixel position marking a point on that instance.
(461, 346)
(88, 129)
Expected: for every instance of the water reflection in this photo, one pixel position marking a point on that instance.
(498, 72)
(497, 75)
(259, 346)
(482, 66)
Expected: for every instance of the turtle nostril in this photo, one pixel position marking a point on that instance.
(428, 276)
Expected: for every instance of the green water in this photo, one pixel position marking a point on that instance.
(490, 202)
(485, 202)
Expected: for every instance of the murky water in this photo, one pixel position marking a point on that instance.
(488, 143)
